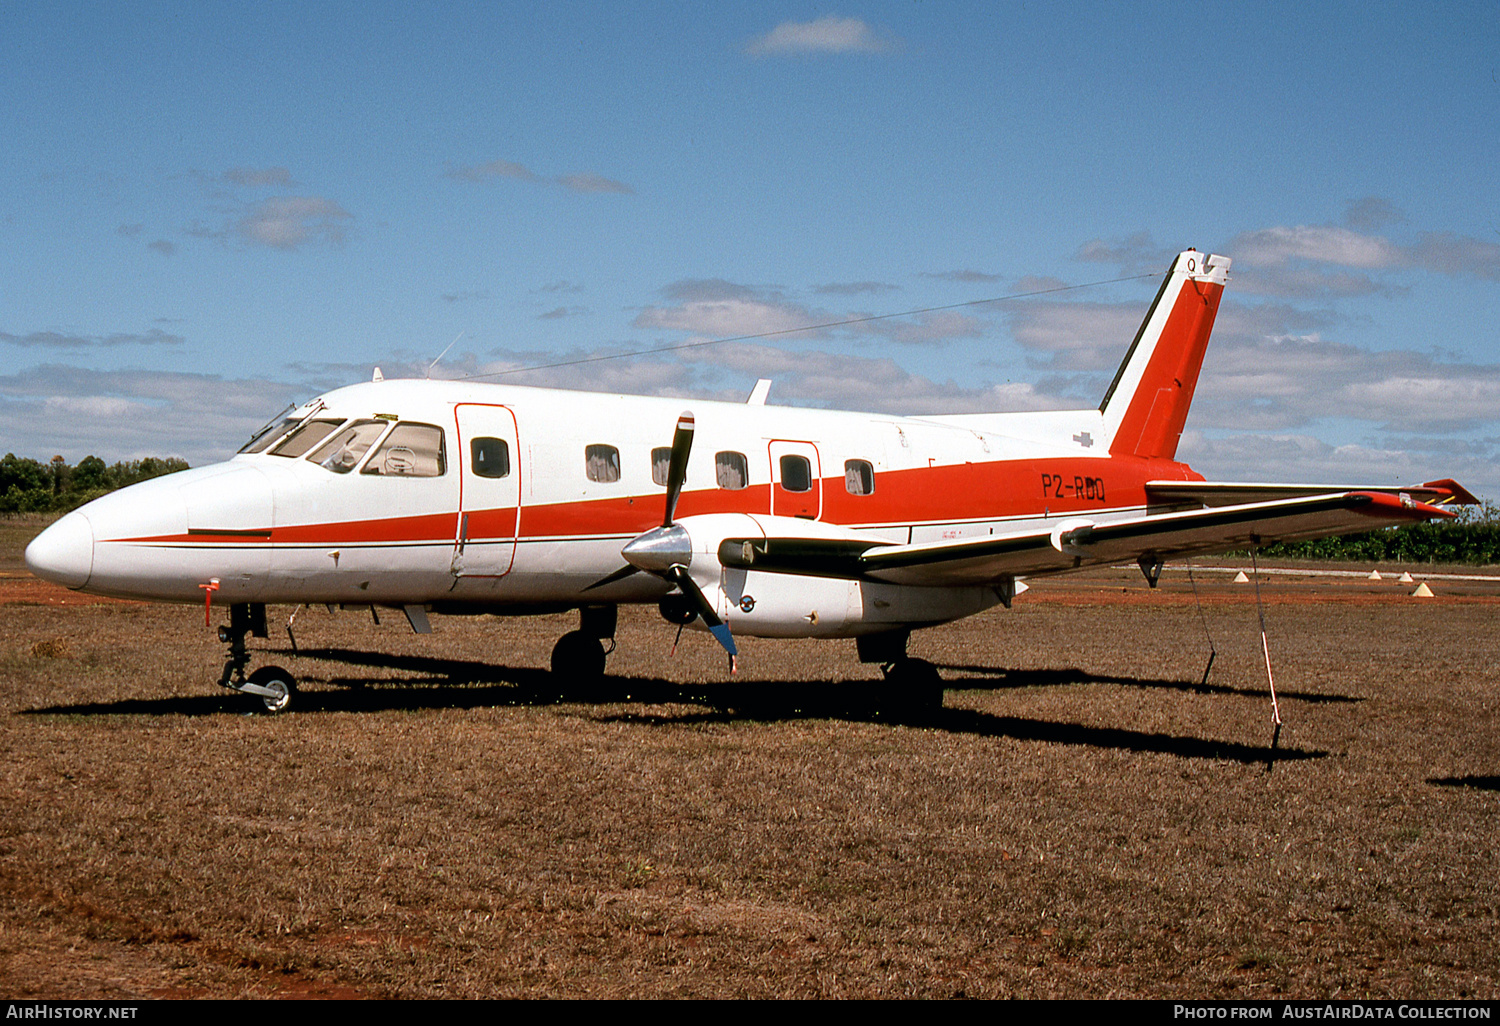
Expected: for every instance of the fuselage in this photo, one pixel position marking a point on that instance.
(510, 498)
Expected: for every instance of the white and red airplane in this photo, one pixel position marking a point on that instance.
(454, 497)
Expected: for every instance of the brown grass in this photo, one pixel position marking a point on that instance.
(1083, 819)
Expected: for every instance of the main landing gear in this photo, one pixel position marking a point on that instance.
(911, 686)
(578, 657)
(273, 686)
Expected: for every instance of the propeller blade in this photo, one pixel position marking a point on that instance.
(682, 446)
(716, 627)
(618, 575)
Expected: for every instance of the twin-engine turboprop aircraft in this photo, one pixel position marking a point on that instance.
(459, 498)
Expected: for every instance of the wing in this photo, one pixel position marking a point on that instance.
(1078, 543)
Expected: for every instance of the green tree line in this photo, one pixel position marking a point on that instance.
(27, 486)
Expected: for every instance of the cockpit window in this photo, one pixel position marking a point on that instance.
(269, 435)
(344, 450)
(276, 428)
(410, 450)
(304, 438)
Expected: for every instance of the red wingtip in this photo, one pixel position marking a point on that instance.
(1458, 495)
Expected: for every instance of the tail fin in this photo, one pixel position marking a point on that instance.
(1147, 404)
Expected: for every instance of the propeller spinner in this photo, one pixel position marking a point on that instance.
(667, 551)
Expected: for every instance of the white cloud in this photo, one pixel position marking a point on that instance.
(1304, 459)
(879, 385)
(719, 309)
(575, 182)
(926, 328)
(965, 277)
(855, 288)
(1135, 253)
(1448, 253)
(493, 169)
(716, 308)
(60, 340)
(288, 222)
(1372, 212)
(1271, 247)
(124, 415)
(1287, 381)
(274, 177)
(727, 318)
(828, 34)
(593, 183)
(1076, 336)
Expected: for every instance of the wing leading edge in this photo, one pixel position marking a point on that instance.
(1078, 543)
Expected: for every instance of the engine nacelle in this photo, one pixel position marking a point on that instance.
(777, 604)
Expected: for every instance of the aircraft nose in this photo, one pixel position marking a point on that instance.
(64, 552)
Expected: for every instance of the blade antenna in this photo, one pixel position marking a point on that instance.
(1265, 647)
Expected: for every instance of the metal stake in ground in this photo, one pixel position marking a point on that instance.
(1265, 647)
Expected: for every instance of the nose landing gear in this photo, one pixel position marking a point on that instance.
(271, 684)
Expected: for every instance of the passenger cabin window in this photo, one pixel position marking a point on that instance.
(731, 470)
(304, 438)
(489, 457)
(796, 474)
(410, 450)
(343, 451)
(661, 462)
(602, 463)
(859, 477)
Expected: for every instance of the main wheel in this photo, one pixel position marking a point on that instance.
(578, 658)
(912, 687)
(274, 678)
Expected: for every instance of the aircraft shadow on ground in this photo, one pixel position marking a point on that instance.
(469, 684)
(995, 678)
(1491, 783)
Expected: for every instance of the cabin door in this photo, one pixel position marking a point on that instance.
(796, 480)
(489, 491)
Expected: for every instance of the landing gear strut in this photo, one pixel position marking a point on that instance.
(271, 684)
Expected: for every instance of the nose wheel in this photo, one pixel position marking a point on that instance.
(271, 685)
(276, 688)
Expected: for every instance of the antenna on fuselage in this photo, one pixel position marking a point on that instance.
(444, 353)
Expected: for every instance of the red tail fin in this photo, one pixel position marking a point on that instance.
(1147, 404)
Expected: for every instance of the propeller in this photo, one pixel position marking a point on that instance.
(667, 550)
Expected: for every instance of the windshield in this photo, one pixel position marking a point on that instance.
(272, 430)
(304, 438)
(344, 450)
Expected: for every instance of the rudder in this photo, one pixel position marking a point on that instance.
(1147, 403)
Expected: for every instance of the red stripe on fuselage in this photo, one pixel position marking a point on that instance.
(930, 495)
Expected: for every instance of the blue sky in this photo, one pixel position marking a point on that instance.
(214, 209)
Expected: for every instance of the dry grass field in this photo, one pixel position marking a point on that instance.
(1082, 819)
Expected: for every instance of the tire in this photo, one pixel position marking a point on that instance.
(276, 679)
(578, 660)
(912, 689)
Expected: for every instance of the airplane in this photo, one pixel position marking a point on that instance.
(464, 498)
